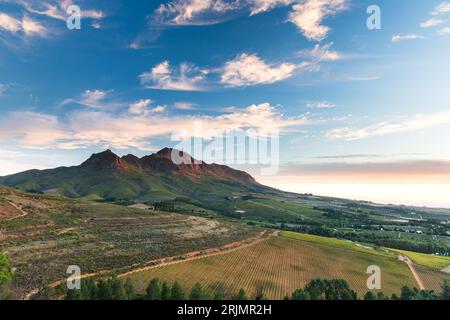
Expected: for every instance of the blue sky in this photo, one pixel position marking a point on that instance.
(338, 92)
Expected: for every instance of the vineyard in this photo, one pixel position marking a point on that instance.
(280, 265)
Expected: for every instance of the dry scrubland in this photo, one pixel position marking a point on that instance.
(58, 232)
(282, 264)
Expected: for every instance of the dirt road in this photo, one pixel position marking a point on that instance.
(23, 213)
(410, 265)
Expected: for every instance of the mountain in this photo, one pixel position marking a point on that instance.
(106, 176)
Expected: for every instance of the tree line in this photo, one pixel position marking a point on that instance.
(317, 289)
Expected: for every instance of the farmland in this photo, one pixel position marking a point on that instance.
(282, 264)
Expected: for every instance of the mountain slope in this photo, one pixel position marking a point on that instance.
(106, 176)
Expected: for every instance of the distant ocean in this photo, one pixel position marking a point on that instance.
(430, 195)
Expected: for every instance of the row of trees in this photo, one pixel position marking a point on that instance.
(161, 291)
(168, 206)
(408, 293)
(317, 289)
(103, 289)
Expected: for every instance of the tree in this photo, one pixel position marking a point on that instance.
(129, 290)
(241, 295)
(165, 291)
(177, 292)
(259, 293)
(370, 296)
(219, 295)
(6, 275)
(300, 294)
(117, 289)
(153, 290)
(382, 296)
(445, 295)
(407, 293)
(197, 293)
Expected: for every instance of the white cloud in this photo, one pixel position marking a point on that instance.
(163, 77)
(158, 109)
(431, 23)
(321, 53)
(309, 14)
(418, 122)
(320, 104)
(193, 12)
(89, 127)
(246, 70)
(411, 36)
(139, 107)
(443, 8)
(444, 31)
(9, 23)
(184, 105)
(96, 25)
(26, 26)
(260, 6)
(2, 89)
(95, 99)
(56, 9)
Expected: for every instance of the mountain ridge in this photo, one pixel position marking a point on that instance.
(105, 175)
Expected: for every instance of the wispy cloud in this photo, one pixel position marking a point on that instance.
(406, 37)
(95, 99)
(25, 26)
(321, 53)
(442, 8)
(2, 89)
(193, 12)
(260, 6)
(418, 122)
(141, 108)
(431, 23)
(184, 105)
(162, 77)
(57, 9)
(444, 31)
(307, 15)
(320, 105)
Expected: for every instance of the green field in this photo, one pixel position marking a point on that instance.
(427, 260)
(282, 264)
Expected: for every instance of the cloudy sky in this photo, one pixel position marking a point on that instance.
(352, 105)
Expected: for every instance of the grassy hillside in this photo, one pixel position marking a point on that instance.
(282, 264)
